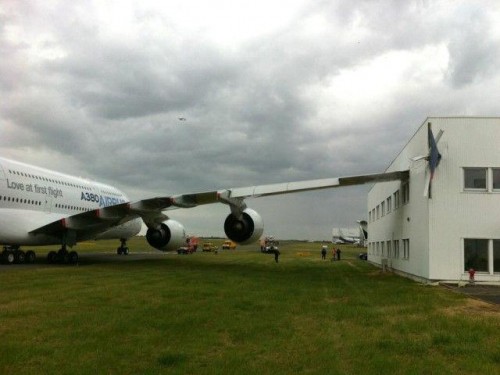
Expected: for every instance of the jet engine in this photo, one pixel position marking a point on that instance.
(169, 235)
(246, 229)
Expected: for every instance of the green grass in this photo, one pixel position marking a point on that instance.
(238, 312)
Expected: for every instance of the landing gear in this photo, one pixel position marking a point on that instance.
(63, 256)
(19, 256)
(12, 254)
(8, 255)
(123, 249)
(30, 257)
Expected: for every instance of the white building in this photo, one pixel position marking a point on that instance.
(458, 227)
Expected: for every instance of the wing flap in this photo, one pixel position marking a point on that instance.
(89, 221)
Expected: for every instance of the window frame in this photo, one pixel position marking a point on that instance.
(475, 189)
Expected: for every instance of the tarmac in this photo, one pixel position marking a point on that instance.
(485, 292)
(86, 259)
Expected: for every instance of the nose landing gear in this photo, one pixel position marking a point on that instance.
(122, 249)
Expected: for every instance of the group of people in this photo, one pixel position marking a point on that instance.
(335, 253)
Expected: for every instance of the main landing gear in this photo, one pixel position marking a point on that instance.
(62, 256)
(12, 254)
(122, 249)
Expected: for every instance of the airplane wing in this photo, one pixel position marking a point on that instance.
(150, 210)
(152, 205)
(298, 186)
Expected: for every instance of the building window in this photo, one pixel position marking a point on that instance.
(406, 193)
(476, 254)
(389, 204)
(496, 178)
(406, 249)
(396, 200)
(396, 249)
(496, 256)
(389, 250)
(378, 212)
(382, 205)
(382, 252)
(475, 178)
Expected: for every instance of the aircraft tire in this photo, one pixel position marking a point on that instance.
(8, 257)
(52, 257)
(119, 251)
(19, 257)
(63, 256)
(73, 257)
(30, 257)
(125, 251)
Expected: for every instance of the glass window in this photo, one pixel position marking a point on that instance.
(396, 199)
(496, 255)
(406, 193)
(475, 178)
(496, 178)
(406, 249)
(382, 205)
(476, 254)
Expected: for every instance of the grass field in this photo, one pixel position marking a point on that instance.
(238, 312)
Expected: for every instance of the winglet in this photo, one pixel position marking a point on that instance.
(434, 155)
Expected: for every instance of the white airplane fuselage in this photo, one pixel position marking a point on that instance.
(31, 197)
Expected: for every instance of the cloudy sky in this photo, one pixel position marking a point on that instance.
(271, 91)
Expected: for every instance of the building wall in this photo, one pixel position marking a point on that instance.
(457, 213)
(436, 227)
(410, 220)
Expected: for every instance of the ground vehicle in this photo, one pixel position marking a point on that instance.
(209, 246)
(184, 250)
(228, 245)
(191, 246)
(269, 245)
(192, 242)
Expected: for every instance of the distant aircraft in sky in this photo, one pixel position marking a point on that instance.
(43, 207)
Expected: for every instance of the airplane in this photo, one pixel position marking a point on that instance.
(43, 207)
(343, 239)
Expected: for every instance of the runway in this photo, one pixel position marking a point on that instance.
(87, 259)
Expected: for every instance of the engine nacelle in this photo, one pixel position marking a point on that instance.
(246, 230)
(169, 236)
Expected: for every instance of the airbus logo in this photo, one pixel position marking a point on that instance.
(103, 200)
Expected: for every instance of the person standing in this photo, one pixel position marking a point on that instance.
(323, 252)
(276, 255)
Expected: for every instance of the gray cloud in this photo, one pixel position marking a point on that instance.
(104, 102)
